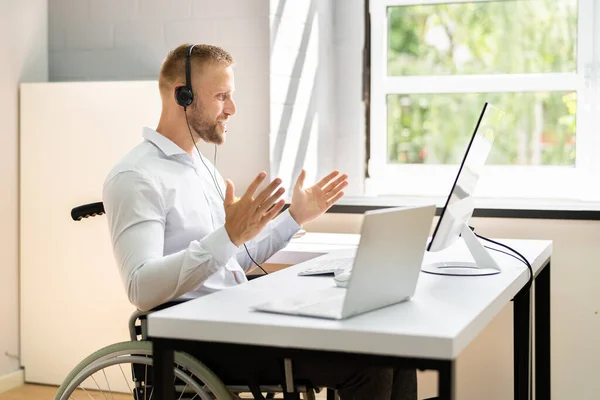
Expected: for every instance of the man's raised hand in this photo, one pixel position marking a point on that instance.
(245, 218)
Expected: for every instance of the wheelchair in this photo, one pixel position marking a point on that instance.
(130, 363)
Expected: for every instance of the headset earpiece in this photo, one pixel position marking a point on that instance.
(184, 96)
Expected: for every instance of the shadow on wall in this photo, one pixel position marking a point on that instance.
(284, 144)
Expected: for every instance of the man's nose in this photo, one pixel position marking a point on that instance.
(230, 107)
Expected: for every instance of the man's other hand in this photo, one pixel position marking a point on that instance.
(247, 216)
(308, 204)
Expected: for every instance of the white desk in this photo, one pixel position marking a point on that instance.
(429, 331)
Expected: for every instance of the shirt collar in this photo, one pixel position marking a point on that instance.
(163, 143)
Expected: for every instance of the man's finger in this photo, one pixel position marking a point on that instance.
(266, 192)
(229, 193)
(254, 185)
(300, 180)
(326, 179)
(266, 205)
(336, 190)
(334, 199)
(333, 184)
(273, 211)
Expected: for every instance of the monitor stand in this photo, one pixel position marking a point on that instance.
(484, 263)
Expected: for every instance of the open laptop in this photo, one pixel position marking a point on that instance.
(384, 272)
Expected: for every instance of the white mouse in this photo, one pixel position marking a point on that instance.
(342, 277)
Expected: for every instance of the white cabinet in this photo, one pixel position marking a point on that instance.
(72, 299)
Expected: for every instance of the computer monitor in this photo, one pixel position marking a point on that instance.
(454, 219)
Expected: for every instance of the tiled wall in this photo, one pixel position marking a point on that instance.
(128, 39)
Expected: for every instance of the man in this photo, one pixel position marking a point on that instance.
(174, 233)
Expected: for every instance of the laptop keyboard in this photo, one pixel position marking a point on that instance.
(328, 266)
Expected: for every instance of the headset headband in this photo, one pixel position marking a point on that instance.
(188, 67)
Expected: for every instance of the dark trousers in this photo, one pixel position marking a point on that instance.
(352, 381)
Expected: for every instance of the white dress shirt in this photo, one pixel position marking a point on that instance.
(166, 222)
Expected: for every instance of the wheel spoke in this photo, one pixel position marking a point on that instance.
(182, 392)
(108, 384)
(126, 381)
(99, 388)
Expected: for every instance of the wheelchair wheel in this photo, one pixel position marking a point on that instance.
(124, 371)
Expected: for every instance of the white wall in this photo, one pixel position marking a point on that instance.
(24, 55)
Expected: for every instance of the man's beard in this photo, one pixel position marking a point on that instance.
(205, 129)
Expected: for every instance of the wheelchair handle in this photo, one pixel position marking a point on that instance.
(87, 210)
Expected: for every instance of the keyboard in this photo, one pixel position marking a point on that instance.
(327, 266)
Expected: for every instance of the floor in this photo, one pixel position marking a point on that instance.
(41, 392)
(38, 392)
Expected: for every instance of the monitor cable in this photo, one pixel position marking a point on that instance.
(214, 179)
(521, 258)
(518, 256)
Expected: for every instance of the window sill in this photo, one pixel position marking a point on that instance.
(489, 208)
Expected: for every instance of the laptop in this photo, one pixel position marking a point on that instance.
(384, 271)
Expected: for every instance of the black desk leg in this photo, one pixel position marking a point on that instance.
(446, 380)
(521, 326)
(542, 334)
(163, 362)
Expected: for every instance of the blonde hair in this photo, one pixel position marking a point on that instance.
(172, 69)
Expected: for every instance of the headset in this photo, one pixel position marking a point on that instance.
(184, 96)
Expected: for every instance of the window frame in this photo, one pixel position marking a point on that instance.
(552, 182)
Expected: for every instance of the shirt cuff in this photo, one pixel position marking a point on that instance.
(287, 225)
(220, 246)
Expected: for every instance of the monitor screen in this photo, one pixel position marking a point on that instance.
(459, 204)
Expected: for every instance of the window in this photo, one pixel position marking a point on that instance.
(434, 64)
